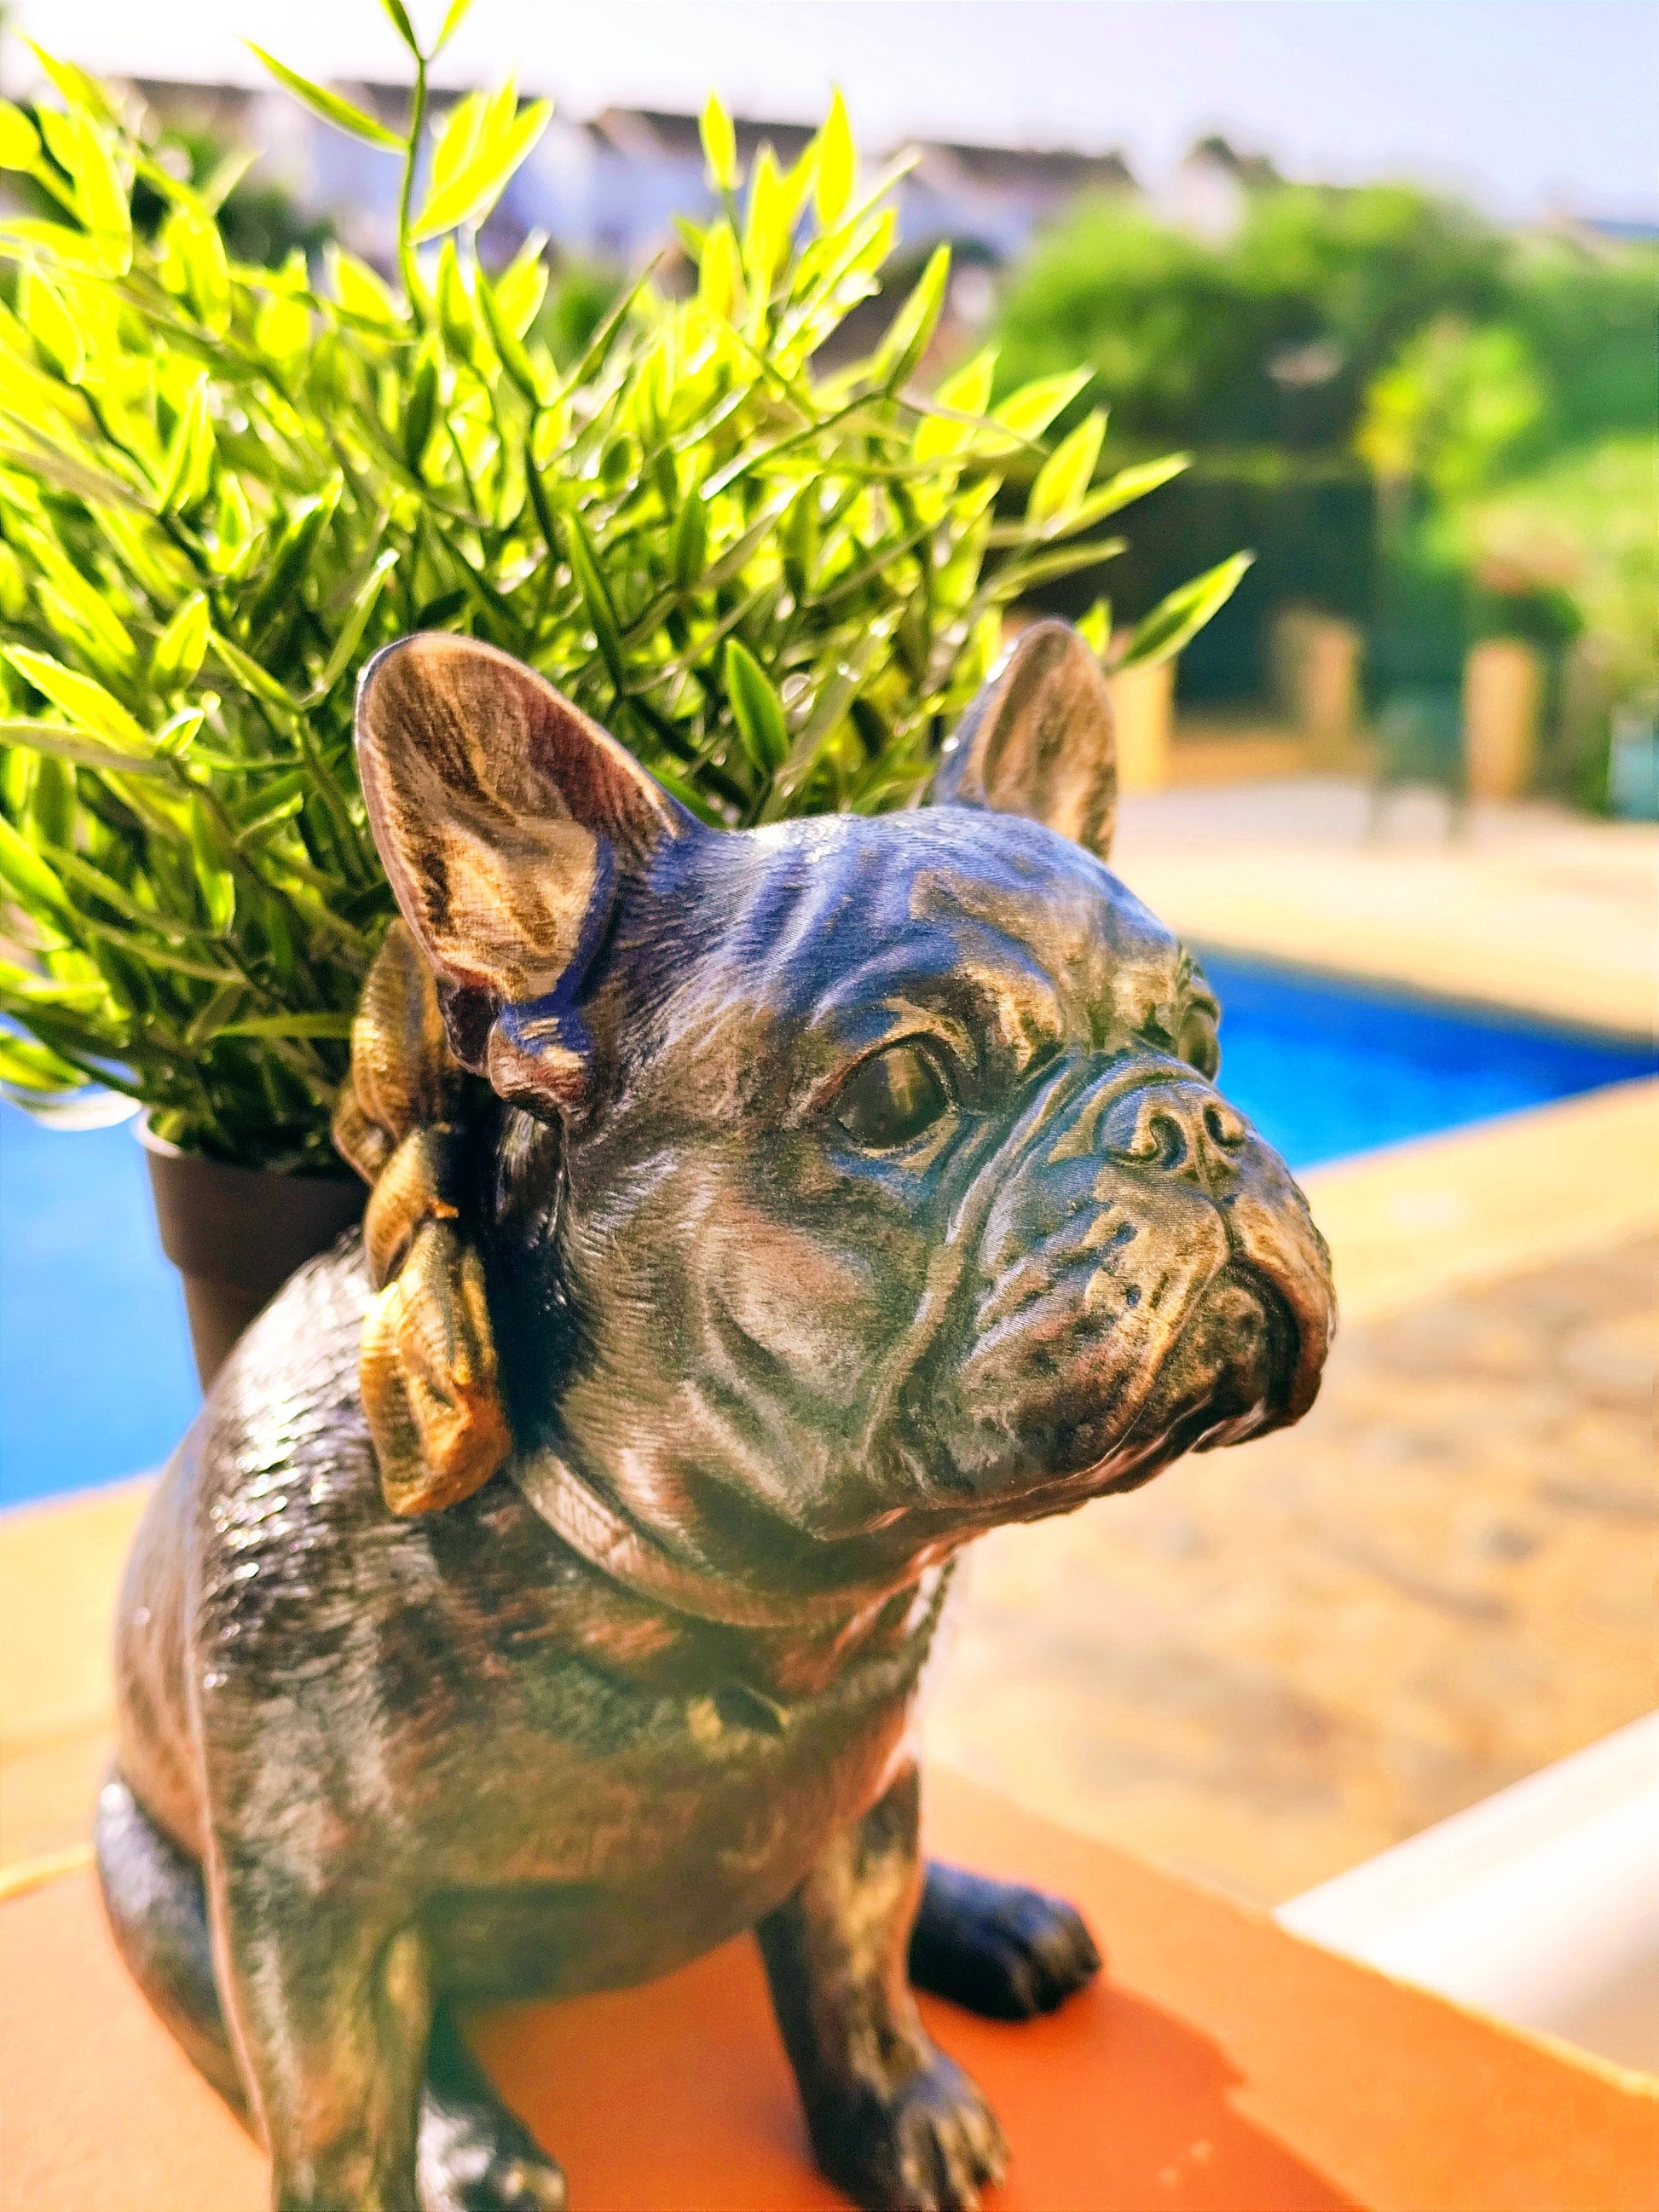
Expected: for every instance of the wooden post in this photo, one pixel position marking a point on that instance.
(1330, 689)
(1315, 680)
(1143, 707)
(1503, 692)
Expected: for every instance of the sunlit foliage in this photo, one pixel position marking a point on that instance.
(222, 486)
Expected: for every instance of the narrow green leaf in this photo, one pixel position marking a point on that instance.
(293, 551)
(363, 604)
(915, 323)
(1018, 576)
(720, 145)
(797, 184)
(837, 165)
(33, 882)
(536, 485)
(214, 880)
(177, 735)
(720, 273)
(20, 141)
(81, 698)
(403, 26)
(682, 787)
(1179, 618)
(1118, 491)
(840, 686)
(458, 139)
(189, 463)
(79, 90)
(51, 803)
(474, 189)
(101, 196)
(690, 541)
(272, 802)
(28, 986)
(422, 412)
(50, 324)
(1065, 476)
(455, 317)
(52, 738)
(507, 344)
(71, 476)
(34, 1068)
(452, 24)
(248, 673)
(766, 227)
(596, 596)
(67, 247)
(1029, 411)
(361, 291)
(757, 709)
(197, 250)
(1133, 484)
(329, 105)
(597, 350)
(222, 179)
(963, 394)
(522, 285)
(1095, 629)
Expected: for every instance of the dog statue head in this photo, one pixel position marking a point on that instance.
(853, 1184)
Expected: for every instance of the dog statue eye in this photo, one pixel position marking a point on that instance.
(891, 1098)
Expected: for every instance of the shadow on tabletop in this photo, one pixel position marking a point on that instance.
(680, 2097)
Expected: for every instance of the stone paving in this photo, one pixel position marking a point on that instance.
(1529, 906)
(1278, 1660)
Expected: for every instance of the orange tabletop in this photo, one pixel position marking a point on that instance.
(1221, 2066)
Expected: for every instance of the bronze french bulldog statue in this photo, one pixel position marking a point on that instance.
(541, 1595)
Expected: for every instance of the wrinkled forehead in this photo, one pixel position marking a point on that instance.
(835, 923)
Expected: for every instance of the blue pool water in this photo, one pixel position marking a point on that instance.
(95, 1374)
(1326, 1066)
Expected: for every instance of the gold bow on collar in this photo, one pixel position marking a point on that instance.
(427, 1368)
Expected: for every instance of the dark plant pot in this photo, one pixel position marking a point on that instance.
(237, 1234)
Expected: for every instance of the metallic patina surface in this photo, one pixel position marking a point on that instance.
(759, 1217)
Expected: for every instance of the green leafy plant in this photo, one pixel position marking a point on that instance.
(222, 486)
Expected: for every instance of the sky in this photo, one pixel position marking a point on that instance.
(1526, 105)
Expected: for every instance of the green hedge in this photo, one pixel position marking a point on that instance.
(1311, 525)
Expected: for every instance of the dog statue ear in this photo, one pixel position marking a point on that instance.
(1038, 740)
(505, 819)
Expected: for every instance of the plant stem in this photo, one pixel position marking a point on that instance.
(406, 195)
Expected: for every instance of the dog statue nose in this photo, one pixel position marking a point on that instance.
(1183, 1129)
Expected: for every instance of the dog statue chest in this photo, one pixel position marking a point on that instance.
(472, 1699)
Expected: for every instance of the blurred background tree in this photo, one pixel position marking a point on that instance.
(1383, 390)
(1433, 426)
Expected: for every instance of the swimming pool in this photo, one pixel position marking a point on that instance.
(95, 1373)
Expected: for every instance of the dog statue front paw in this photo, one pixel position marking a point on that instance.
(997, 1949)
(928, 2144)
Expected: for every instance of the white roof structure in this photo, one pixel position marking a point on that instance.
(1525, 104)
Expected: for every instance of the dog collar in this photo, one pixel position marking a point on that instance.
(597, 1532)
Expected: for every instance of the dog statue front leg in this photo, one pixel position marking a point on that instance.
(330, 2008)
(894, 2122)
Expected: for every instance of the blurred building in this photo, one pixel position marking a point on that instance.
(608, 188)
